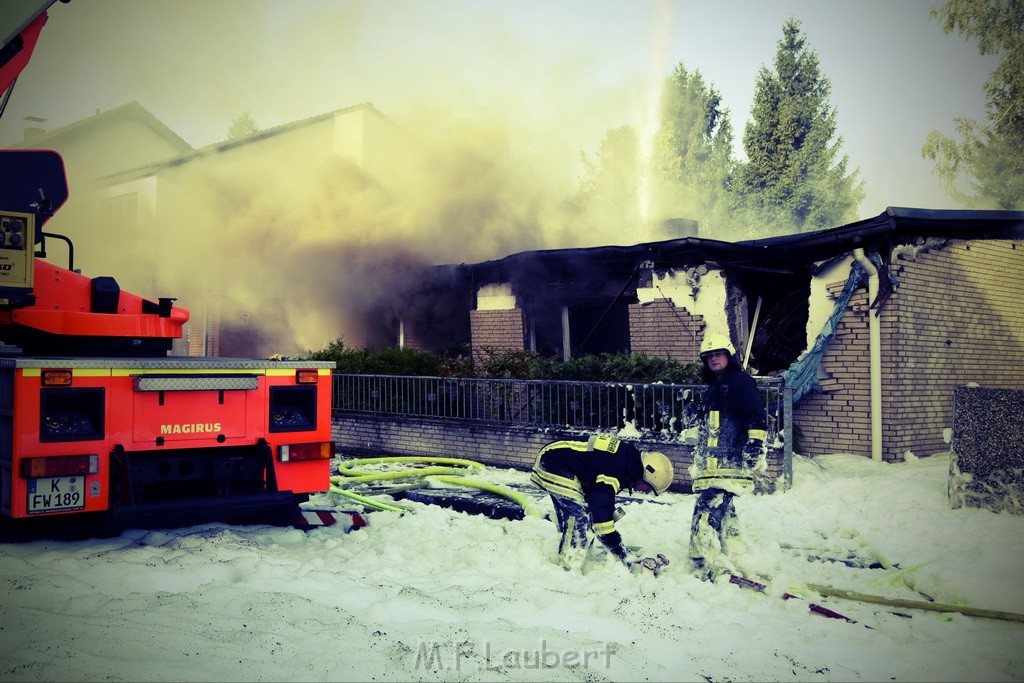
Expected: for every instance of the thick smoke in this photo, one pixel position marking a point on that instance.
(324, 248)
(329, 250)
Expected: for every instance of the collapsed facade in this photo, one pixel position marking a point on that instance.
(873, 324)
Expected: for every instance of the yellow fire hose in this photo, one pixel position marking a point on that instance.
(404, 474)
(347, 468)
(916, 604)
(523, 501)
(349, 474)
(369, 502)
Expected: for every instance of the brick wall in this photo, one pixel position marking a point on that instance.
(837, 418)
(954, 319)
(496, 330)
(661, 329)
(414, 343)
(196, 339)
(361, 436)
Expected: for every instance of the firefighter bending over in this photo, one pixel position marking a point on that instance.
(730, 443)
(583, 478)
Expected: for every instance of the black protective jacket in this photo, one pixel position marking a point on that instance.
(602, 468)
(732, 413)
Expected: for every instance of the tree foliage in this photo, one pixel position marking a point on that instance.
(242, 126)
(693, 158)
(989, 156)
(795, 176)
(609, 192)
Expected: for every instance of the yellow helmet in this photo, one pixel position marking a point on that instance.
(716, 342)
(658, 471)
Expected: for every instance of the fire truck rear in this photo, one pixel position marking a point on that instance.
(101, 428)
(153, 442)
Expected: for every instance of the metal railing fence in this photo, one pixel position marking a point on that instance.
(653, 409)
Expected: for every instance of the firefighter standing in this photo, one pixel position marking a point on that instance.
(583, 478)
(731, 440)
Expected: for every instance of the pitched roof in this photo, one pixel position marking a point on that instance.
(130, 111)
(224, 145)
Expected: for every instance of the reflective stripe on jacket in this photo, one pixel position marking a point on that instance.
(592, 472)
(733, 412)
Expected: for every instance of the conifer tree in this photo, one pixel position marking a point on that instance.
(694, 162)
(242, 126)
(609, 193)
(795, 179)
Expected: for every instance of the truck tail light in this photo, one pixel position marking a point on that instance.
(60, 466)
(307, 376)
(295, 452)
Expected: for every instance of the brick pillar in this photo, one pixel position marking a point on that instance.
(497, 330)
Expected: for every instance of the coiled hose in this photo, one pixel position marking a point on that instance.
(348, 473)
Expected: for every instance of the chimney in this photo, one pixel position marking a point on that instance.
(33, 131)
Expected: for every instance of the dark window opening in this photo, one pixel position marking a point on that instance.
(780, 335)
(292, 409)
(597, 327)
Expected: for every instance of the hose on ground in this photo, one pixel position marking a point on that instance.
(369, 502)
(348, 473)
(916, 604)
(347, 468)
(523, 501)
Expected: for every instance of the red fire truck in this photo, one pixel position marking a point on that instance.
(101, 428)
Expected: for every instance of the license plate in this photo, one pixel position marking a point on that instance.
(56, 494)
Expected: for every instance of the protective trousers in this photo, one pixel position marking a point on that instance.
(713, 526)
(572, 515)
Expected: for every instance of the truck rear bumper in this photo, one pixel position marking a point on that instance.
(279, 508)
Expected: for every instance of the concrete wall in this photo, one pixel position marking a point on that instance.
(986, 467)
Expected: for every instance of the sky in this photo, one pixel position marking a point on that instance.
(430, 594)
(554, 76)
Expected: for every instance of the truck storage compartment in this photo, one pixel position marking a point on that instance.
(157, 488)
(140, 477)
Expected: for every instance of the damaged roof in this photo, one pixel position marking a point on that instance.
(787, 253)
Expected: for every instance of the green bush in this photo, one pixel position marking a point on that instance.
(631, 367)
(606, 367)
(385, 361)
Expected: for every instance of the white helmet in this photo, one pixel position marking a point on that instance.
(658, 471)
(714, 342)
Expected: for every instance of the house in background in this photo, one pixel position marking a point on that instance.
(873, 324)
(108, 142)
(160, 216)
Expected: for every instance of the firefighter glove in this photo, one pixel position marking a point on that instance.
(633, 563)
(619, 551)
(752, 452)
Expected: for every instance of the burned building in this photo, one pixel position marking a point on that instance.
(873, 324)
